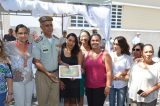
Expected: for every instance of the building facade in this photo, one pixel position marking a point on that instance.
(128, 18)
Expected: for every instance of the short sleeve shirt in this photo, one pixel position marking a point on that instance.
(5, 72)
(120, 63)
(47, 52)
(143, 78)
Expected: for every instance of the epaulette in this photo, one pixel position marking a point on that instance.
(38, 39)
(55, 36)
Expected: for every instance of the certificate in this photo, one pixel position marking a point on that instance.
(73, 71)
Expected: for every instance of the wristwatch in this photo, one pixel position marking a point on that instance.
(108, 86)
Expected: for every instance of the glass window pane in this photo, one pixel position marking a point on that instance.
(80, 17)
(73, 25)
(85, 25)
(73, 17)
(73, 21)
(80, 25)
(80, 21)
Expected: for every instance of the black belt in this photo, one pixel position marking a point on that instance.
(53, 71)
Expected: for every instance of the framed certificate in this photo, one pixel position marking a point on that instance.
(73, 71)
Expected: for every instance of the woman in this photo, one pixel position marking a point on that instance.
(6, 82)
(136, 50)
(121, 64)
(98, 73)
(70, 55)
(19, 52)
(144, 79)
(84, 41)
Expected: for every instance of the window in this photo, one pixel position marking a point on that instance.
(116, 16)
(79, 21)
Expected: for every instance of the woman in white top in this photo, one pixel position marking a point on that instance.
(144, 79)
(121, 64)
(19, 52)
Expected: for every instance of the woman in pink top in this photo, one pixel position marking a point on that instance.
(98, 66)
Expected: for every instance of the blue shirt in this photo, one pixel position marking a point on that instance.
(5, 72)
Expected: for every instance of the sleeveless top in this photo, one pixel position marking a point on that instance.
(95, 72)
(72, 87)
(69, 60)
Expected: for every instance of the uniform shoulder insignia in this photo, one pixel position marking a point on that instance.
(55, 36)
(38, 39)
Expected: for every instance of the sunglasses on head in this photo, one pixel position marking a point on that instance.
(135, 49)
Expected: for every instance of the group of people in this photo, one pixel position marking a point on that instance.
(126, 78)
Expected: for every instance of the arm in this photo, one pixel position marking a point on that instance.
(121, 75)
(80, 58)
(108, 66)
(10, 90)
(152, 89)
(42, 69)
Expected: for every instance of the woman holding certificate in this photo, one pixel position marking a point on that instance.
(70, 55)
(98, 71)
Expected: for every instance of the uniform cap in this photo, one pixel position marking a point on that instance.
(45, 18)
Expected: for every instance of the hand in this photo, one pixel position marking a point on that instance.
(53, 77)
(118, 75)
(145, 93)
(9, 99)
(106, 91)
(137, 60)
(62, 86)
(65, 64)
(18, 76)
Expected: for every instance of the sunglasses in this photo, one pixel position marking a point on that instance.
(83, 39)
(135, 49)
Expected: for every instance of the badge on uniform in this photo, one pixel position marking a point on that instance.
(39, 39)
(44, 49)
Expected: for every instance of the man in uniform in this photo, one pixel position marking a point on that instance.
(45, 54)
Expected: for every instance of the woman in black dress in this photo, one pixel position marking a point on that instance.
(70, 55)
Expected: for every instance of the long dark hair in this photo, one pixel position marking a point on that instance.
(123, 44)
(76, 47)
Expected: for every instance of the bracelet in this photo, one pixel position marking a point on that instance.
(10, 93)
(108, 86)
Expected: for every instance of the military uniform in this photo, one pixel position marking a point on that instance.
(46, 51)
